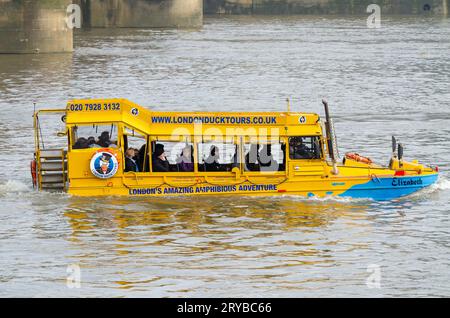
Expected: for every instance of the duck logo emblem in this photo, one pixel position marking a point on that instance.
(104, 164)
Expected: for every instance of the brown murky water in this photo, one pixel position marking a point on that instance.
(394, 80)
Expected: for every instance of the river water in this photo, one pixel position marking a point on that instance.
(380, 82)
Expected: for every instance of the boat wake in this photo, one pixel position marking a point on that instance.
(14, 186)
(442, 184)
(324, 200)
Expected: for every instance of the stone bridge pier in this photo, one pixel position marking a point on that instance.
(142, 13)
(353, 7)
(39, 26)
(31, 26)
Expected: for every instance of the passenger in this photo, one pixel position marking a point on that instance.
(159, 160)
(81, 143)
(298, 149)
(266, 160)
(130, 163)
(186, 159)
(91, 143)
(212, 162)
(235, 161)
(136, 154)
(283, 165)
(136, 157)
(104, 140)
(252, 158)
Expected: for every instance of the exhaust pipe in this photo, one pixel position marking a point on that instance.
(330, 138)
(394, 147)
(400, 154)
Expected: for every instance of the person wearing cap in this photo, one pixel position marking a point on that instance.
(159, 160)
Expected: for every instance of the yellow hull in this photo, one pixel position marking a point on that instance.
(376, 187)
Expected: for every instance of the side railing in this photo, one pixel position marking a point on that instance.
(52, 169)
(50, 164)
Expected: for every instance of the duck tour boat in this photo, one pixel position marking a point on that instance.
(116, 147)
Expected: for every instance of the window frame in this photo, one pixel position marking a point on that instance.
(73, 140)
(264, 141)
(321, 147)
(233, 141)
(122, 147)
(168, 139)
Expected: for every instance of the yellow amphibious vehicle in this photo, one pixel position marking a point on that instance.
(116, 147)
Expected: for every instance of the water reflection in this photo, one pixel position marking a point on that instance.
(268, 235)
(199, 214)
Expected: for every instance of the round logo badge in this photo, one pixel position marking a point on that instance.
(104, 164)
(302, 120)
(135, 111)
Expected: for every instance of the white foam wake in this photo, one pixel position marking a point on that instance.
(442, 184)
(13, 186)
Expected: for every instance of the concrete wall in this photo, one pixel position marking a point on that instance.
(438, 7)
(30, 26)
(142, 13)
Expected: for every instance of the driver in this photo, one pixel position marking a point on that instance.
(299, 150)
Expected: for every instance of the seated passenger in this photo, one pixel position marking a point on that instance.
(104, 140)
(185, 161)
(159, 160)
(212, 162)
(130, 163)
(91, 143)
(81, 143)
(299, 150)
(252, 158)
(235, 162)
(136, 154)
(265, 159)
(283, 165)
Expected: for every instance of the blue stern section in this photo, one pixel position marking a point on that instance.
(390, 188)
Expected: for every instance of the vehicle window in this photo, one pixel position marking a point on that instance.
(135, 147)
(94, 136)
(172, 156)
(217, 157)
(264, 157)
(305, 147)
